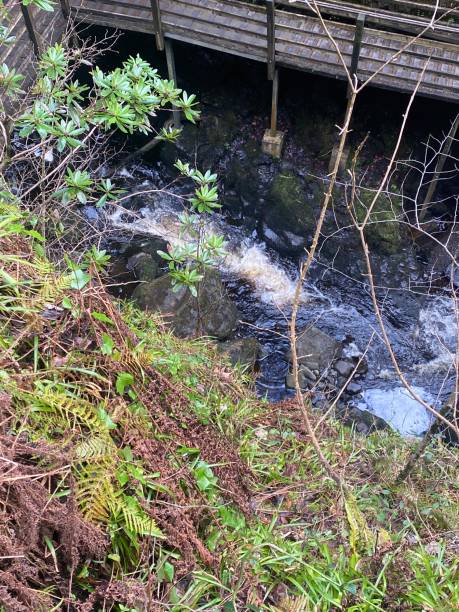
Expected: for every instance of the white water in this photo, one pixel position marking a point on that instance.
(438, 329)
(249, 260)
(246, 258)
(398, 408)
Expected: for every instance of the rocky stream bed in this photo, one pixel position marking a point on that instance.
(269, 213)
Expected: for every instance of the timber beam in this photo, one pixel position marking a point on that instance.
(273, 139)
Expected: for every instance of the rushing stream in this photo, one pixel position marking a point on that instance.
(261, 265)
(422, 332)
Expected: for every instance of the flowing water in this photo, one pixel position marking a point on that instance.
(420, 323)
(422, 329)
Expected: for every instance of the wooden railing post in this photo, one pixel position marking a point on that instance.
(359, 26)
(27, 15)
(443, 156)
(157, 26)
(65, 8)
(172, 77)
(275, 96)
(273, 140)
(271, 37)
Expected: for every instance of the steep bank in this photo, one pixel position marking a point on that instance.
(140, 471)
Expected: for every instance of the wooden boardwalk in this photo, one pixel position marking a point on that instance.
(48, 28)
(239, 28)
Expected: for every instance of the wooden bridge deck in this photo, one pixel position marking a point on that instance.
(233, 26)
(48, 28)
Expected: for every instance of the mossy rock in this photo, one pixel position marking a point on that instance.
(244, 184)
(384, 231)
(315, 132)
(214, 315)
(243, 351)
(144, 266)
(204, 142)
(288, 208)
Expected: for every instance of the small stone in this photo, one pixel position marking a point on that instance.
(354, 388)
(344, 368)
(308, 373)
(91, 213)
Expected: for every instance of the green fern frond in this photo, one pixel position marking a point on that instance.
(136, 520)
(95, 493)
(53, 287)
(95, 447)
(76, 411)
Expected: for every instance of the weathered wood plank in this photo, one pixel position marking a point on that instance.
(235, 27)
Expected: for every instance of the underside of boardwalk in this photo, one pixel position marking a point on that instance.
(301, 41)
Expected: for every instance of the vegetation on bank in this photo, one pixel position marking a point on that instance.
(140, 472)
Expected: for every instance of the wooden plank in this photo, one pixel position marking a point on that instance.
(381, 18)
(235, 27)
(157, 25)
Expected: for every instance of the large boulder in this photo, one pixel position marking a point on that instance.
(243, 351)
(289, 217)
(316, 349)
(384, 230)
(144, 266)
(213, 314)
(317, 352)
(202, 143)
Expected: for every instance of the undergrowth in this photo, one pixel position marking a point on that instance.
(139, 471)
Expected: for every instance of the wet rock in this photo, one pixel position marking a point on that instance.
(284, 242)
(354, 355)
(384, 231)
(91, 213)
(203, 143)
(317, 350)
(150, 245)
(144, 266)
(288, 212)
(247, 180)
(306, 378)
(244, 351)
(215, 315)
(364, 422)
(354, 388)
(344, 368)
